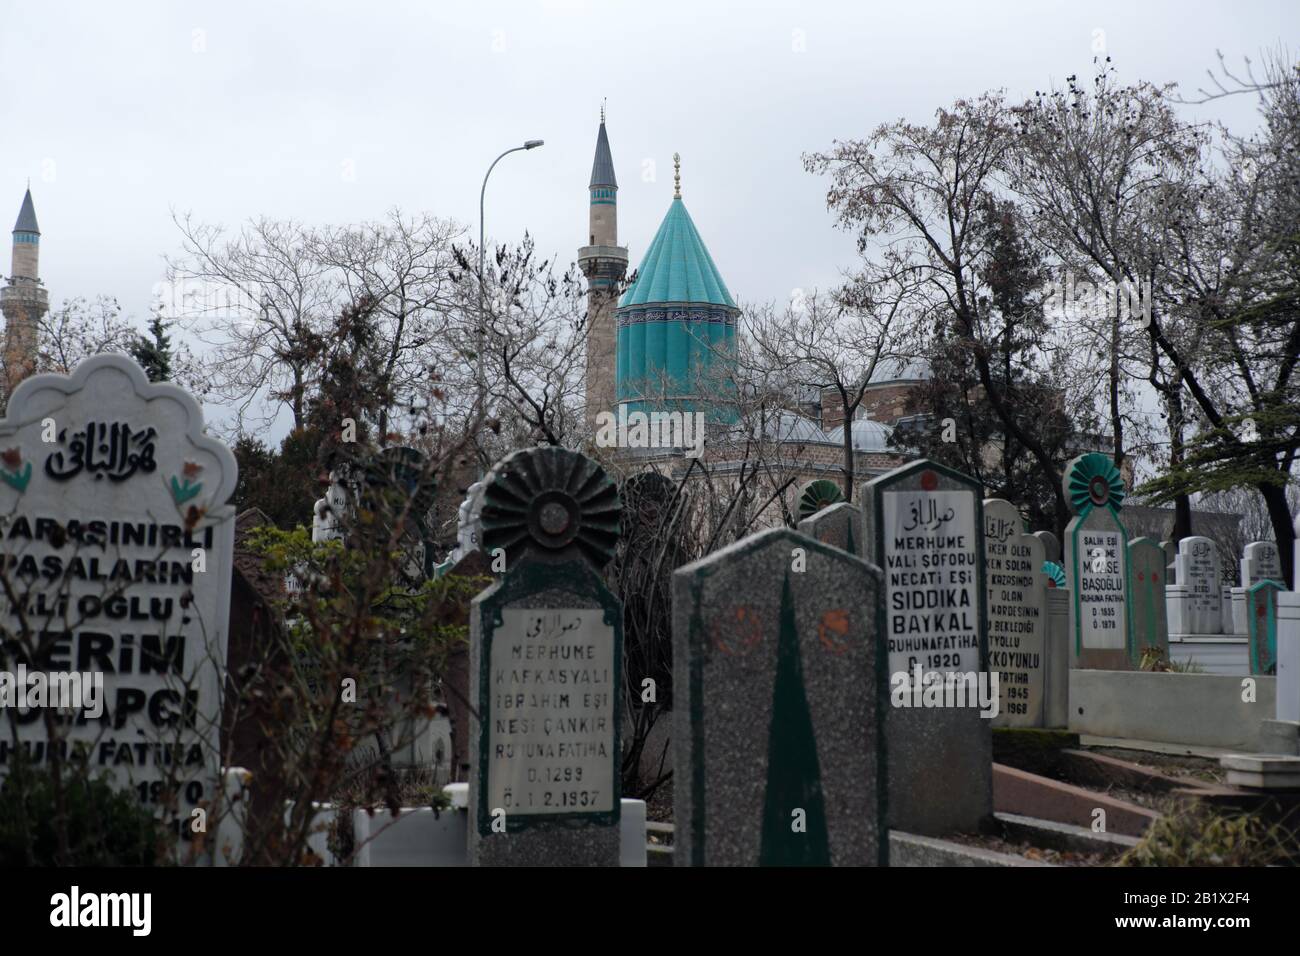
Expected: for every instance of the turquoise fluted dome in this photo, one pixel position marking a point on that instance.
(676, 328)
(677, 267)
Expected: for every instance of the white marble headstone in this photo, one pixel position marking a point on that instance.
(1198, 569)
(1260, 561)
(114, 505)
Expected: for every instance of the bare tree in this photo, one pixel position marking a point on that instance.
(914, 196)
(833, 343)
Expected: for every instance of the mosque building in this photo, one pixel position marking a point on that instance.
(669, 344)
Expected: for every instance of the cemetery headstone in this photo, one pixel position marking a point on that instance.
(456, 679)
(116, 524)
(545, 655)
(1260, 561)
(780, 685)
(1230, 609)
(1056, 690)
(1096, 564)
(923, 526)
(818, 494)
(1147, 570)
(1262, 607)
(1051, 546)
(1017, 609)
(839, 526)
(1197, 566)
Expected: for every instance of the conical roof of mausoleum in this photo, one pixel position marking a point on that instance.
(677, 267)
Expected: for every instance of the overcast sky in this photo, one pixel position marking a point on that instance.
(336, 111)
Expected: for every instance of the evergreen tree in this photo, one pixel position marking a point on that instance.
(154, 351)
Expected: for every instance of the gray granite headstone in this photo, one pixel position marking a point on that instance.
(1017, 614)
(779, 686)
(1051, 546)
(840, 526)
(1149, 613)
(545, 668)
(923, 525)
(1096, 565)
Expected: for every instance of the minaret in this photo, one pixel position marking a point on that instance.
(23, 300)
(604, 263)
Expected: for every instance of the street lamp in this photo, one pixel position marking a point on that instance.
(482, 386)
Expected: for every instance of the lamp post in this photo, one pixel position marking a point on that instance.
(482, 385)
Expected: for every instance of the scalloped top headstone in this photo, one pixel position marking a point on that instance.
(552, 502)
(1096, 564)
(818, 494)
(116, 521)
(545, 665)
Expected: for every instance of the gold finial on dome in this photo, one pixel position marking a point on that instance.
(677, 175)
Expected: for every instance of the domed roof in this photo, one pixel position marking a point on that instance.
(677, 267)
(787, 426)
(867, 435)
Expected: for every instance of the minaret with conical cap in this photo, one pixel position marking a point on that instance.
(604, 263)
(23, 300)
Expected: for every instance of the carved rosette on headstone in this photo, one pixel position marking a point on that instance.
(545, 655)
(1017, 614)
(1096, 565)
(1147, 571)
(838, 525)
(117, 545)
(779, 684)
(1261, 606)
(923, 526)
(818, 494)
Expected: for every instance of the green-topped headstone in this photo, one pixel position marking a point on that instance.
(1148, 570)
(545, 656)
(1096, 565)
(839, 525)
(818, 494)
(778, 683)
(1261, 607)
(923, 525)
(1017, 614)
